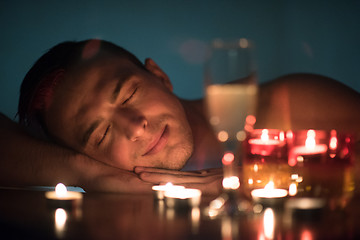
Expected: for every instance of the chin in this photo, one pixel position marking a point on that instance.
(179, 159)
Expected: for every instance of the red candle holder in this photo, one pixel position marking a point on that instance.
(322, 164)
(265, 160)
(266, 143)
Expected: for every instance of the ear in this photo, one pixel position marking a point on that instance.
(152, 67)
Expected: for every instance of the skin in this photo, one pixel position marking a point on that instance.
(140, 126)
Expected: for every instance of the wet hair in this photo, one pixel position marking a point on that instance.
(38, 85)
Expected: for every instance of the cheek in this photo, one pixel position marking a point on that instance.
(120, 155)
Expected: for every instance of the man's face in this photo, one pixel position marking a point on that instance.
(116, 112)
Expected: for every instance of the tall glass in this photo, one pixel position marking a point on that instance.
(231, 94)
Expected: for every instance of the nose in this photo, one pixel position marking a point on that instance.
(133, 124)
(136, 128)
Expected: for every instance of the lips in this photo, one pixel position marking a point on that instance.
(158, 143)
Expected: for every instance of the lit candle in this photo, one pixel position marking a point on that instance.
(159, 190)
(62, 197)
(269, 194)
(264, 145)
(182, 198)
(310, 147)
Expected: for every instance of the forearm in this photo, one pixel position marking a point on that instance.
(29, 161)
(26, 161)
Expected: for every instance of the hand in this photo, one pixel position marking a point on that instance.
(119, 181)
(208, 180)
(95, 176)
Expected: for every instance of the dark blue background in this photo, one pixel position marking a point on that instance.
(291, 36)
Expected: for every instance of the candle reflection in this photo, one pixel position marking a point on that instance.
(195, 220)
(306, 235)
(269, 223)
(229, 228)
(60, 222)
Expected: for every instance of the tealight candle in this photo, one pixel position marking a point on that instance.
(264, 145)
(183, 198)
(269, 195)
(62, 197)
(159, 190)
(310, 148)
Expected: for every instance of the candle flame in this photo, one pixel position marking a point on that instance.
(282, 136)
(60, 190)
(310, 142)
(265, 135)
(256, 168)
(270, 186)
(269, 223)
(333, 143)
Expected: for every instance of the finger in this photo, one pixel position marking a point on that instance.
(208, 172)
(164, 171)
(176, 179)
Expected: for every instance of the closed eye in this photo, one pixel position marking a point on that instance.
(126, 100)
(104, 135)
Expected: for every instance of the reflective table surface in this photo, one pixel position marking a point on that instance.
(26, 214)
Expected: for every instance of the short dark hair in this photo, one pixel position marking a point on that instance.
(61, 56)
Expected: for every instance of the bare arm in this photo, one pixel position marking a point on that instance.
(26, 161)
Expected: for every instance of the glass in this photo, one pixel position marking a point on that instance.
(231, 96)
(265, 160)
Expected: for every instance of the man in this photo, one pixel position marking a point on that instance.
(115, 125)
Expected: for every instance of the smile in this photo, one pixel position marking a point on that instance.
(159, 143)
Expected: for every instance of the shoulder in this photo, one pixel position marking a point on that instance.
(301, 101)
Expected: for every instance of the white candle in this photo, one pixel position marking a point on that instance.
(63, 197)
(183, 198)
(268, 192)
(159, 190)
